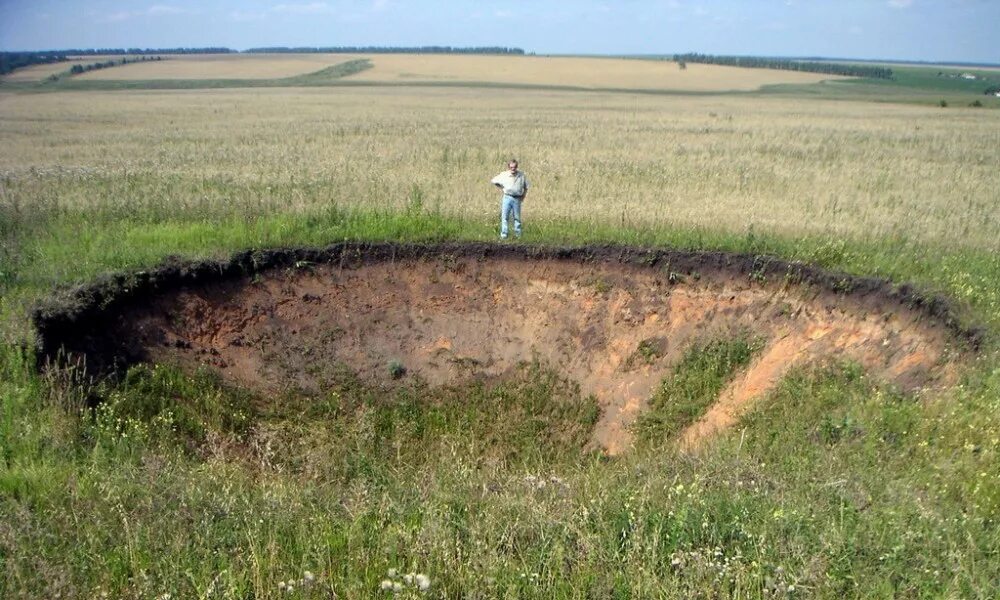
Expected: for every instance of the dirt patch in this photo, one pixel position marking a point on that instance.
(613, 319)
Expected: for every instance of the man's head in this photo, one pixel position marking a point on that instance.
(512, 165)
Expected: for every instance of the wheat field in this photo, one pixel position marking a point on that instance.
(40, 72)
(774, 165)
(220, 66)
(592, 73)
(576, 72)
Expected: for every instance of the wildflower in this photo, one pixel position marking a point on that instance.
(385, 585)
(397, 587)
(392, 573)
(791, 588)
(423, 582)
(408, 578)
(308, 577)
(281, 585)
(290, 588)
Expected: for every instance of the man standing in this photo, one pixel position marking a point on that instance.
(514, 185)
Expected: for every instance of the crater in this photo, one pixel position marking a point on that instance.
(614, 320)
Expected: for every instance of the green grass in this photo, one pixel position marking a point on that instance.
(837, 486)
(911, 85)
(693, 385)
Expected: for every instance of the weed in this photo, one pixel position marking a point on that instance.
(396, 369)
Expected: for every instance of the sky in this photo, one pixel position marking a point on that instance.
(922, 30)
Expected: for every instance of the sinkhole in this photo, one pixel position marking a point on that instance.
(615, 320)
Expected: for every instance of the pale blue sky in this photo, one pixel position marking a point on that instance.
(932, 30)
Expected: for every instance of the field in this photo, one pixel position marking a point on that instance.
(576, 72)
(493, 70)
(37, 73)
(221, 66)
(176, 480)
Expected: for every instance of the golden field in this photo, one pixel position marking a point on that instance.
(220, 66)
(778, 165)
(40, 72)
(601, 73)
(576, 72)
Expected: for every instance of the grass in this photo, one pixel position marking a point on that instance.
(836, 486)
(913, 85)
(693, 386)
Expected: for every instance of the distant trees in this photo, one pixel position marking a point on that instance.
(141, 51)
(78, 69)
(15, 60)
(787, 64)
(387, 50)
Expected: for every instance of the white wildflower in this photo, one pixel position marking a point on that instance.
(385, 585)
(423, 582)
(308, 577)
(281, 585)
(392, 573)
(408, 578)
(397, 587)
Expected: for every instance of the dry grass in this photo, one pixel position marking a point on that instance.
(773, 165)
(220, 66)
(576, 72)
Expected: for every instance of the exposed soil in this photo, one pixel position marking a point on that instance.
(612, 319)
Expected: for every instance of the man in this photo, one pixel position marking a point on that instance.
(514, 185)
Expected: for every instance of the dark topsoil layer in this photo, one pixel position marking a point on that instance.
(78, 322)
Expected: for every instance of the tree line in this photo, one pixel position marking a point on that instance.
(388, 50)
(786, 64)
(15, 60)
(120, 51)
(77, 69)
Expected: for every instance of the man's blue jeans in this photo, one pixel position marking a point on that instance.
(510, 207)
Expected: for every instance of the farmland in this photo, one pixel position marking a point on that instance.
(495, 70)
(222, 66)
(181, 482)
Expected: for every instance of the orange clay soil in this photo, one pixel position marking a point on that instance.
(614, 326)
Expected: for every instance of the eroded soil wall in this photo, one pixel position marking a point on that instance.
(613, 319)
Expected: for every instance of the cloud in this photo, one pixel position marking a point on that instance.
(310, 8)
(163, 9)
(156, 10)
(900, 3)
